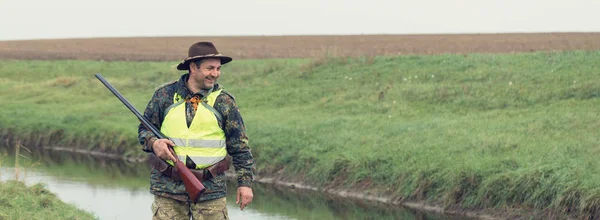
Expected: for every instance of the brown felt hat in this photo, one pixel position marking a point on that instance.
(201, 50)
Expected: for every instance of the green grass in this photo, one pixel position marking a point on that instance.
(18, 201)
(474, 131)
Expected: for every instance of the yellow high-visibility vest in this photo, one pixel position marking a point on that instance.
(204, 140)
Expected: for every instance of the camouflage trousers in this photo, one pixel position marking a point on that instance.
(166, 208)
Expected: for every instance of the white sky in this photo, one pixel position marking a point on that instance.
(42, 19)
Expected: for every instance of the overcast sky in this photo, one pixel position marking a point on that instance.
(42, 19)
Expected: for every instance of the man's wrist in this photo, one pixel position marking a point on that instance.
(245, 183)
(149, 143)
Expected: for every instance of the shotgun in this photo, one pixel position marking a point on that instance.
(192, 185)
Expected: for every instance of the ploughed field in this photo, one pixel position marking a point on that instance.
(259, 47)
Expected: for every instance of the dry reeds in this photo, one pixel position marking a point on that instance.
(18, 154)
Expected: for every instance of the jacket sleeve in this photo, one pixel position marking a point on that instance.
(237, 142)
(152, 114)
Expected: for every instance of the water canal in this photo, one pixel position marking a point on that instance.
(114, 189)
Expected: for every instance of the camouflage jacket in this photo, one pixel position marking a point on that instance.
(235, 133)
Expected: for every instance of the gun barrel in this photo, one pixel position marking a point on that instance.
(132, 108)
(192, 184)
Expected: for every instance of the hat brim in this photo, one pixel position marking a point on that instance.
(185, 64)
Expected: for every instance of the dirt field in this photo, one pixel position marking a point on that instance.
(175, 48)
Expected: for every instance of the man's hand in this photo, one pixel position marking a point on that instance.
(246, 196)
(162, 150)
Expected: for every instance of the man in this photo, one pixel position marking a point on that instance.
(204, 125)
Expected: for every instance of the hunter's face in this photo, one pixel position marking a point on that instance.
(207, 73)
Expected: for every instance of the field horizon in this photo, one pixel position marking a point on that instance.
(295, 46)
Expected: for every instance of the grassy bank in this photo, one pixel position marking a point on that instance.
(493, 131)
(18, 201)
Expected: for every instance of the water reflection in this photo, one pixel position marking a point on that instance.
(110, 202)
(113, 189)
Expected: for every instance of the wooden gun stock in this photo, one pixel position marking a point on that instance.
(193, 186)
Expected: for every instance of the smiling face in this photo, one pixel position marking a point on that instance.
(205, 75)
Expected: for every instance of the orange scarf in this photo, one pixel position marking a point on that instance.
(194, 101)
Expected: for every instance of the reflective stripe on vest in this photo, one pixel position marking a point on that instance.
(203, 141)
